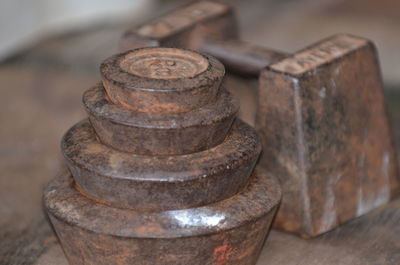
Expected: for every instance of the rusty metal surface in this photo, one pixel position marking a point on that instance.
(240, 57)
(160, 182)
(184, 27)
(44, 88)
(123, 207)
(231, 231)
(147, 80)
(164, 64)
(160, 133)
(323, 122)
(368, 240)
(66, 203)
(319, 123)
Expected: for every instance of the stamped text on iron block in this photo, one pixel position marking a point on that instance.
(318, 55)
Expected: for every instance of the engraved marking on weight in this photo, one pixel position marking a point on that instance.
(180, 19)
(318, 55)
(164, 63)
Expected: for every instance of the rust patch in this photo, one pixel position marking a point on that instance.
(222, 254)
(161, 80)
(162, 63)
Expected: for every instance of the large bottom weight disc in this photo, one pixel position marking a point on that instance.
(229, 232)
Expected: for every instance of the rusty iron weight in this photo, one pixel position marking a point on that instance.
(119, 205)
(160, 133)
(160, 182)
(321, 114)
(323, 122)
(161, 101)
(161, 80)
(228, 232)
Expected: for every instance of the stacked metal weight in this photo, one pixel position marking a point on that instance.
(161, 170)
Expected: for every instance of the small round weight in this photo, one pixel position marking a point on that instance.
(160, 133)
(161, 79)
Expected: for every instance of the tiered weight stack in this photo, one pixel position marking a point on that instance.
(162, 170)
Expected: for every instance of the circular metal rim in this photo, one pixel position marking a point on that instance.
(155, 183)
(257, 199)
(240, 145)
(151, 54)
(97, 103)
(112, 73)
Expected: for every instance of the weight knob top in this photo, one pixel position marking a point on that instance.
(160, 80)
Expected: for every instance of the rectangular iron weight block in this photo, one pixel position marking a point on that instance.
(186, 27)
(326, 134)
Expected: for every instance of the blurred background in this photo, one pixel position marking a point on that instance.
(50, 51)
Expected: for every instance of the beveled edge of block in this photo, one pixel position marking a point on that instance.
(319, 54)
